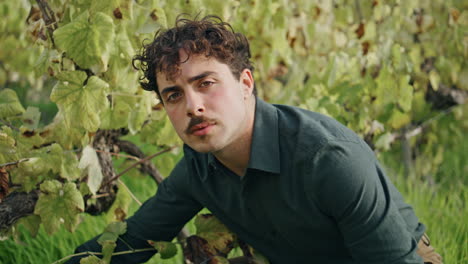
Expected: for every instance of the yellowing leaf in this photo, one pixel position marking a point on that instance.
(112, 232)
(406, 93)
(59, 205)
(92, 260)
(69, 168)
(89, 161)
(117, 116)
(80, 105)
(8, 152)
(107, 250)
(218, 236)
(31, 117)
(31, 223)
(399, 119)
(9, 104)
(165, 249)
(434, 78)
(87, 40)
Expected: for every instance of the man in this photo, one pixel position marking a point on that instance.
(296, 185)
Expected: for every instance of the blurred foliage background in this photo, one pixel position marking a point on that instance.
(394, 71)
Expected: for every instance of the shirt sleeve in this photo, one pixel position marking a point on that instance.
(350, 187)
(160, 218)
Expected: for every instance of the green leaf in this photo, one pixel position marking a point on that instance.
(119, 208)
(206, 223)
(117, 115)
(92, 260)
(80, 105)
(218, 236)
(31, 223)
(87, 40)
(406, 93)
(165, 249)
(434, 78)
(90, 162)
(9, 104)
(384, 141)
(8, 152)
(31, 117)
(399, 119)
(69, 168)
(61, 132)
(59, 204)
(112, 232)
(107, 250)
(141, 111)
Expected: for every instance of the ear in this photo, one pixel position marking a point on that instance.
(247, 83)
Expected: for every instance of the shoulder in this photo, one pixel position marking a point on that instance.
(311, 131)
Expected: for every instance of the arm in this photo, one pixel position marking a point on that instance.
(350, 187)
(160, 218)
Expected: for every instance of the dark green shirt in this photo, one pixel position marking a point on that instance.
(313, 192)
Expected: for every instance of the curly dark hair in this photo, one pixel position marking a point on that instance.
(209, 36)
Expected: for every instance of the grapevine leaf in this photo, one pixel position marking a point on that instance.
(112, 232)
(384, 141)
(80, 105)
(406, 93)
(218, 236)
(31, 223)
(69, 168)
(116, 116)
(89, 161)
(92, 260)
(434, 78)
(8, 152)
(87, 40)
(59, 204)
(9, 104)
(59, 131)
(141, 111)
(165, 249)
(119, 208)
(29, 173)
(107, 250)
(399, 119)
(31, 117)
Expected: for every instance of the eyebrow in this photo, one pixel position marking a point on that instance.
(190, 80)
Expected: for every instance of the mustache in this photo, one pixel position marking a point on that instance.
(193, 122)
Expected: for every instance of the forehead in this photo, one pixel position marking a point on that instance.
(190, 66)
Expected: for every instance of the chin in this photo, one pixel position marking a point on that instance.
(202, 148)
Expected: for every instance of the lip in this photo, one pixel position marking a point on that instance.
(201, 129)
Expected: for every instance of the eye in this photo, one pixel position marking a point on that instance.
(206, 84)
(173, 96)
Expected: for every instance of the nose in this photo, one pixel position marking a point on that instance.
(195, 106)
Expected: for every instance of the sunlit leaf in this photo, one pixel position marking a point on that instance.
(112, 232)
(9, 104)
(80, 103)
(165, 249)
(59, 204)
(90, 163)
(87, 40)
(92, 260)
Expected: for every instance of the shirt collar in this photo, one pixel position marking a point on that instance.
(264, 152)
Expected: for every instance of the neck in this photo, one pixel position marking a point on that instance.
(237, 155)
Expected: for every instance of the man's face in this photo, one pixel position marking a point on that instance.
(208, 107)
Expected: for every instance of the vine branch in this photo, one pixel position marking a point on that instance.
(100, 254)
(158, 179)
(49, 18)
